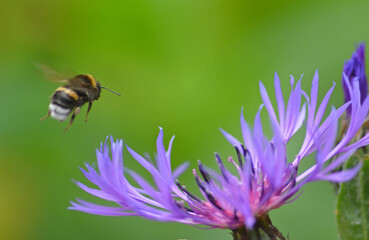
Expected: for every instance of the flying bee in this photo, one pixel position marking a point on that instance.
(69, 98)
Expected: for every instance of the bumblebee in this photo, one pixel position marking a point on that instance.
(72, 96)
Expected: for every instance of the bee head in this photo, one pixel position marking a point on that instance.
(98, 89)
(88, 81)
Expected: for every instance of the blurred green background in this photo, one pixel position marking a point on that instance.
(186, 65)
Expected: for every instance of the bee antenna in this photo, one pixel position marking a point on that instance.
(111, 91)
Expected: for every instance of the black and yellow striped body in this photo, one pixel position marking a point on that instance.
(62, 102)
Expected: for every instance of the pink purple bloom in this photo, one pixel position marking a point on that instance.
(265, 178)
(354, 69)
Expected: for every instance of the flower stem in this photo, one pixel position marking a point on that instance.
(263, 230)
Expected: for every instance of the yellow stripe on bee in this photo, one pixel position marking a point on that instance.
(70, 93)
(60, 89)
(92, 80)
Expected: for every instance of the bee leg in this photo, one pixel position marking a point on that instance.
(75, 112)
(48, 114)
(88, 110)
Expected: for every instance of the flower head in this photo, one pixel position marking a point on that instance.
(354, 69)
(265, 178)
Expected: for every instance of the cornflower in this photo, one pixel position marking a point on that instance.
(265, 179)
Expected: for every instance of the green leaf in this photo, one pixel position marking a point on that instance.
(353, 204)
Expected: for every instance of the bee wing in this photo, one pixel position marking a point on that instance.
(51, 74)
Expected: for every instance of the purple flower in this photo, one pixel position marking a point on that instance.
(265, 178)
(354, 69)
